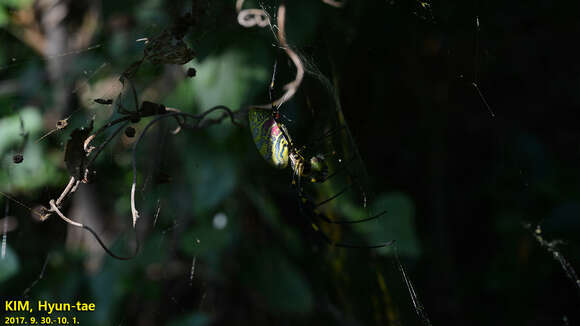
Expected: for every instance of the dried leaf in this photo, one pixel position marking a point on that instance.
(191, 72)
(61, 124)
(166, 49)
(130, 132)
(151, 108)
(40, 213)
(17, 158)
(103, 101)
(75, 156)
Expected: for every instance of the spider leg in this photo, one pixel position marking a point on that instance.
(347, 166)
(331, 243)
(342, 191)
(353, 177)
(351, 245)
(326, 135)
(303, 199)
(332, 197)
(354, 180)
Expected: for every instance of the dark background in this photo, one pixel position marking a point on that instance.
(458, 181)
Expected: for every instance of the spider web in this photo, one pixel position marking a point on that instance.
(36, 252)
(222, 238)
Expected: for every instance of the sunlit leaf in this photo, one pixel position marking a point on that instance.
(17, 3)
(3, 17)
(35, 170)
(227, 79)
(10, 126)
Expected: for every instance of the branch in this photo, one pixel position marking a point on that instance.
(54, 208)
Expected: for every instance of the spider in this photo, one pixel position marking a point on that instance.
(276, 146)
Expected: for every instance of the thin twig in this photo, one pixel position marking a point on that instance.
(106, 126)
(247, 18)
(66, 191)
(40, 277)
(95, 154)
(55, 209)
(334, 3)
(199, 118)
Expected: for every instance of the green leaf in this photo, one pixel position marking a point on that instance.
(213, 176)
(398, 223)
(9, 265)
(3, 17)
(36, 170)
(17, 3)
(194, 319)
(206, 240)
(10, 125)
(228, 79)
(279, 283)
